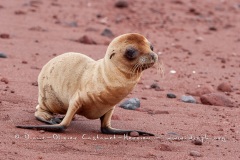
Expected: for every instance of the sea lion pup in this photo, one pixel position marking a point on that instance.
(73, 83)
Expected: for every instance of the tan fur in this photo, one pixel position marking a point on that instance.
(73, 83)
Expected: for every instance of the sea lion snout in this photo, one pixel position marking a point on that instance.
(154, 57)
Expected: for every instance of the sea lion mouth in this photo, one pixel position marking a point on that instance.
(146, 66)
(145, 62)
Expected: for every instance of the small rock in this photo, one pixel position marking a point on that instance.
(171, 95)
(197, 142)
(12, 91)
(134, 134)
(145, 98)
(212, 28)
(5, 80)
(72, 24)
(86, 40)
(155, 86)
(35, 67)
(194, 11)
(4, 36)
(2, 55)
(35, 83)
(24, 62)
(161, 112)
(224, 87)
(188, 99)
(163, 147)
(199, 39)
(42, 131)
(202, 90)
(37, 28)
(20, 12)
(107, 33)
(216, 99)
(130, 104)
(121, 4)
(195, 154)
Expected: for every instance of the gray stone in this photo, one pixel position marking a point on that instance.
(130, 104)
(195, 154)
(2, 55)
(170, 95)
(107, 33)
(188, 99)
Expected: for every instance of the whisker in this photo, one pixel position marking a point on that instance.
(160, 68)
(133, 70)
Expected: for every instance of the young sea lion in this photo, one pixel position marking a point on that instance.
(73, 83)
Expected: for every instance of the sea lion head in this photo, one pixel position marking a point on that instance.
(131, 53)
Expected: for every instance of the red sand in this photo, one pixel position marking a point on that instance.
(198, 39)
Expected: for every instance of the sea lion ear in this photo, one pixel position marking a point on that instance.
(111, 55)
(131, 53)
(151, 47)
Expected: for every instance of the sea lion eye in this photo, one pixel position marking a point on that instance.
(151, 47)
(131, 53)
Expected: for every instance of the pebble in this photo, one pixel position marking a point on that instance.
(171, 95)
(4, 36)
(130, 104)
(86, 40)
(35, 83)
(212, 28)
(199, 39)
(134, 134)
(24, 62)
(216, 99)
(145, 98)
(107, 33)
(5, 80)
(163, 147)
(20, 12)
(160, 112)
(197, 142)
(173, 71)
(225, 87)
(121, 4)
(42, 131)
(188, 99)
(2, 55)
(202, 90)
(195, 154)
(156, 87)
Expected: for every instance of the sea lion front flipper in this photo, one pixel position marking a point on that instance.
(54, 120)
(107, 129)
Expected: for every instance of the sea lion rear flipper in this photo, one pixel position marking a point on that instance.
(107, 129)
(50, 128)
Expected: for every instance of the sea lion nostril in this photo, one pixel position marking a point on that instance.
(153, 57)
